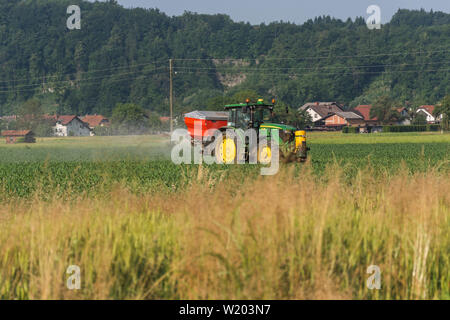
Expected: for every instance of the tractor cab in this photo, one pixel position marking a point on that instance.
(249, 115)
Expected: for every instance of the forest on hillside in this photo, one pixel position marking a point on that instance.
(122, 56)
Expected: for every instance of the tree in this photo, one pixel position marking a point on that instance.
(3, 125)
(129, 118)
(31, 117)
(444, 110)
(420, 119)
(242, 96)
(43, 129)
(385, 109)
(30, 114)
(218, 103)
(103, 131)
(155, 123)
(296, 118)
(30, 109)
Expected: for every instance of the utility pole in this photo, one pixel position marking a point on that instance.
(171, 94)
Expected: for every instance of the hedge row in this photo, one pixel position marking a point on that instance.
(411, 128)
(350, 130)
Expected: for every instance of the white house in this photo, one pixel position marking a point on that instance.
(319, 110)
(428, 112)
(70, 126)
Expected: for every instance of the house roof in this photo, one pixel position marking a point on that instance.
(65, 120)
(323, 108)
(15, 133)
(94, 120)
(347, 115)
(364, 111)
(429, 109)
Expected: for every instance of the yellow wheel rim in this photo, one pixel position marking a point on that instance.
(227, 151)
(265, 155)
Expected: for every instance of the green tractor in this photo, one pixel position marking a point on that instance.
(259, 116)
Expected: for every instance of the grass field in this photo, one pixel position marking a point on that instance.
(141, 227)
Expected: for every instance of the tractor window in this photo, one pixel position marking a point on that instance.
(232, 118)
(263, 115)
(242, 119)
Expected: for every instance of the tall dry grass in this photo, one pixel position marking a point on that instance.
(272, 238)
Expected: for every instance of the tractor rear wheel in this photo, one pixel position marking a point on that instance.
(225, 151)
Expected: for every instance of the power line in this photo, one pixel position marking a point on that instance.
(315, 68)
(85, 81)
(259, 72)
(324, 73)
(83, 72)
(163, 61)
(315, 57)
(80, 80)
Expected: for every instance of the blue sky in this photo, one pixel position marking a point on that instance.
(298, 11)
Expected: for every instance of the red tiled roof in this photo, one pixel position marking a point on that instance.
(93, 120)
(364, 110)
(15, 133)
(164, 119)
(429, 109)
(65, 120)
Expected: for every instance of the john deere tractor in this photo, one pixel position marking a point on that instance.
(259, 116)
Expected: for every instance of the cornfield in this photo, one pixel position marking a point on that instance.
(140, 227)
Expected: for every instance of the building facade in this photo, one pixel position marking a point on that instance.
(428, 112)
(345, 118)
(71, 126)
(16, 136)
(319, 110)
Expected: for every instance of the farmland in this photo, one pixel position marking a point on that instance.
(141, 227)
(94, 165)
